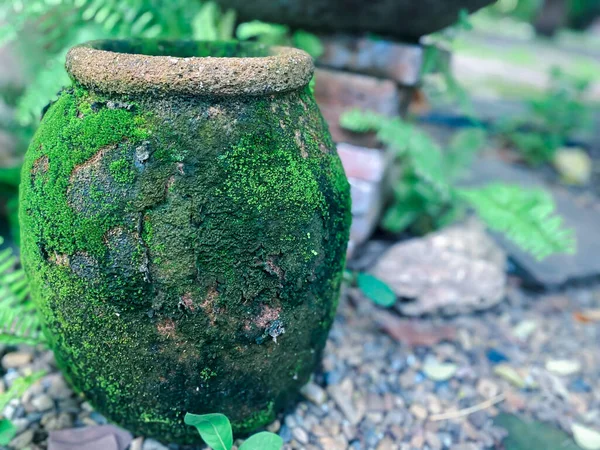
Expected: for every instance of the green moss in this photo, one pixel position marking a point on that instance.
(121, 171)
(69, 136)
(257, 420)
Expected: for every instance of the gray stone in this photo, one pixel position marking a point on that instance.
(300, 435)
(22, 440)
(151, 444)
(582, 217)
(42, 402)
(137, 444)
(15, 360)
(456, 270)
(314, 393)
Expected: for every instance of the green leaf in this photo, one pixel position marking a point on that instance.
(7, 431)
(360, 121)
(227, 25)
(214, 429)
(376, 290)
(524, 434)
(399, 217)
(19, 386)
(526, 216)
(258, 29)
(462, 150)
(262, 441)
(204, 26)
(308, 42)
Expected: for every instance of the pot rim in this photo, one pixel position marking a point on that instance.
(118, 66)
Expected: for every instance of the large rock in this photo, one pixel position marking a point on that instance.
(457, 270)
(408, 19)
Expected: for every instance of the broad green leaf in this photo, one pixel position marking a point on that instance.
(214, 429)
(262, 441)
(526, 216)
(524, 434)
(308, 42)
(376, 290)
(7, 431)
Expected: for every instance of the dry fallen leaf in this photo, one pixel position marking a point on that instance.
(563, 367)
(414, 332)
(587, 316)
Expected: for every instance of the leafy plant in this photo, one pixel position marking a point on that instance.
(19, 386)
(18, 322)
(551, 119)
(215, 430)
(440, 82)
(17, 389)
(277, 34)
(7, 431)
(376, 290)
(426, 196)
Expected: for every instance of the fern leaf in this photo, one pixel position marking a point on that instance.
(462, 149)
(526, 216)
(308, 42)
(18, 388)
(204, 23)
(426, 159)
(226, 25)
(360, 121)
(18, 322)
(262, 30)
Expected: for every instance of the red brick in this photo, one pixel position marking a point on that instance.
(399, 62)
(338, 91)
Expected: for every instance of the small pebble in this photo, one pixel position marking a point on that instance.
(42, 403)
(15, 360)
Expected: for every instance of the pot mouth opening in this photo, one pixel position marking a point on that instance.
(226, 68)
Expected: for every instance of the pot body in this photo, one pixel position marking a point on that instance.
(404, 19)
(186, 253)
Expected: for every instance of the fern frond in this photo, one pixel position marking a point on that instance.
(462, 149)
(361, 121)
(425, 158)
(19, 323)
(263, 31)
(526, 216)
(308, 42)
(19, 386)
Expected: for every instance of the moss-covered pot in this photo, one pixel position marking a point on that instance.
(184, 224)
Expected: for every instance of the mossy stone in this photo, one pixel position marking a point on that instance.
(185, 249)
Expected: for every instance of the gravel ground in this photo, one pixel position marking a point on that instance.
(533, 354)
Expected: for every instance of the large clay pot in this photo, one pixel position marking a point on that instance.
(184, 225)
(405, 19)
